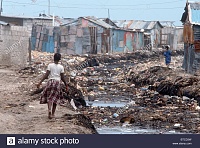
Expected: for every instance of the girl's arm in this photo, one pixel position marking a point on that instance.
(43, 78)
(63, 78)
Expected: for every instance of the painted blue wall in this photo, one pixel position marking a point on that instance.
(46, 46)
(50, 44)
(118, 35)
(132, 40)
(138, 40)
(33, 42)
(195, 16)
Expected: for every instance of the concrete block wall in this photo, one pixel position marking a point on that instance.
(30, 22)
(14, 41)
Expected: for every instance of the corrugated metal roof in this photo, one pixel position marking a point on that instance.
(95, 20)
(27, 17)
(136, 24)
(70, 23)
(64, 21)
(194, 12)
(195, 5)
(109, 21)
(3, 23)
(195, 16)
(68, 20)
(98, 22)
(58, 20)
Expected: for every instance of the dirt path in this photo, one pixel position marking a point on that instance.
(20, 114)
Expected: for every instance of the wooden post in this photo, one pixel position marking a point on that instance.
(29, 51)
(1, 7)
(49, 5)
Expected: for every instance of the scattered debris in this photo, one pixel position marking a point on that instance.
(82, 120)
(128, 120)
(161, 97)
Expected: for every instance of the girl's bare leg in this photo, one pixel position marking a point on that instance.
(54, 109)
(49, 110)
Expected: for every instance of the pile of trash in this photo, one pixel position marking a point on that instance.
(150, 110)
(157, 93)
(167, 82)
(82, 120)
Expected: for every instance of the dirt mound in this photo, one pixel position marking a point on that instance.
(167, 82)
(82, 120)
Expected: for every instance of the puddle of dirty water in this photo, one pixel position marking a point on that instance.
(5, 71)
(124, 129)
(133, 130)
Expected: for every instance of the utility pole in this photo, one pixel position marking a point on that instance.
(1, 7)
(49, 7)
(108, 13)
(110, 36)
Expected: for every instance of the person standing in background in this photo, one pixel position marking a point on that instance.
(167, 55)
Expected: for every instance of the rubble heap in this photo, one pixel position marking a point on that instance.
(167, 82)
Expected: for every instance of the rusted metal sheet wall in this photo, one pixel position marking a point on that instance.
(79, 46)
(106, 41)
(78, 42)
(172, 36)
(191, 61)
(118, 41)
(42, 39)
(138, 40)
(156, 36)
(165, 36)
(124, 41)
(128, 41)
(96, 38)
(195, 60)
(189, 57)
(99, 37)
(84, 37)
(179, 33)
(86, 40)
(68, 39)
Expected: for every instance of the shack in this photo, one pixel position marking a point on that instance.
(152, 30)
(191, 33)
(27, 21)
(127, 40)
(95, 35)
(86, 35)
(172, 35)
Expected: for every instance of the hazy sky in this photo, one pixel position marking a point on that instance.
(161, 10)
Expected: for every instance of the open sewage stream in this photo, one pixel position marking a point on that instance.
(132, 93)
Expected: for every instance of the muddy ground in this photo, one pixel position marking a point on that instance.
(117, 79)
(22, 114)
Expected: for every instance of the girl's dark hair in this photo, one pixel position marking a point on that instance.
(57, 57)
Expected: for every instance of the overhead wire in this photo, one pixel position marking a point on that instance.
(76, 6)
